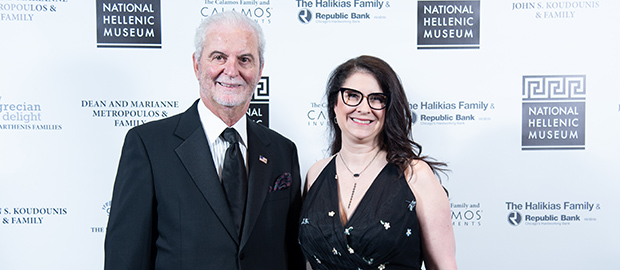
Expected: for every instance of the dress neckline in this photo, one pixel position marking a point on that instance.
(364, 197)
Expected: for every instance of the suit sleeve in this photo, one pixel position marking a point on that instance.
(131, 232)
(295, 256)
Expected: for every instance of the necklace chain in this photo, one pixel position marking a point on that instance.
(355, 175)
(359, 173)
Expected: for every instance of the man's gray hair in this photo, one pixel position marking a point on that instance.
(229, 17)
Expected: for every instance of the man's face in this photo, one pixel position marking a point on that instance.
(229, 67)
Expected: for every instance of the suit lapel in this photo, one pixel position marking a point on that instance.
(200, 166)
(258, 177)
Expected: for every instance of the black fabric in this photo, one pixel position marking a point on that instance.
(234, 178)
(382, 233)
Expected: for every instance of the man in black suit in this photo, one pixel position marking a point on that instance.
(170, 206)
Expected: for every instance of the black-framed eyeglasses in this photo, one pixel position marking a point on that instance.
(352, 97)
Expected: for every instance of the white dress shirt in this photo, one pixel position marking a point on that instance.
(213, 127)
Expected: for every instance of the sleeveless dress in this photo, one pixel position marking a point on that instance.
(382, 233)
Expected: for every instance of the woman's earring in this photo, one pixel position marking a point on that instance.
(335, 120)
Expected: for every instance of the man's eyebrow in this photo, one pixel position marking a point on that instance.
(216, 52)
(249, 55)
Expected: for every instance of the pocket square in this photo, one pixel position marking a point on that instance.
(283, 181)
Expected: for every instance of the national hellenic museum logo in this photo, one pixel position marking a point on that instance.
(448, 24)
(554, 112)
(128, 24)
(259, 105)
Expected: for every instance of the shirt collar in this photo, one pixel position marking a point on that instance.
(214, 126)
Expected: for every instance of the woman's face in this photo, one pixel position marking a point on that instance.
(360, 123)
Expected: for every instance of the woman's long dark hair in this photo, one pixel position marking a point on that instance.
(396, 138)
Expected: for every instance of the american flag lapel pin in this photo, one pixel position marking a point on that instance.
(262, 159)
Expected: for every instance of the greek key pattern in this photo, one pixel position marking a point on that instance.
(261, 93)
(556, 87)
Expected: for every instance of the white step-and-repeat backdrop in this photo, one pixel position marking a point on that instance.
(519, 97)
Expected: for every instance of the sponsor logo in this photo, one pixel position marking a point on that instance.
(554, 112)
(515, 218)
(128, 24)
(106, 207)
(560, 213)
(130, 113)
(258, 10)
(466, 214)
(341, 11)
(317, 115)
(259, 105)
(554, 10)
(448, 24)
(305, 16)
(24, 11)
(30, 215)
(24, 116)
(451, 113)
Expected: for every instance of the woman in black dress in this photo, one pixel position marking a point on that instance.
(376, 202)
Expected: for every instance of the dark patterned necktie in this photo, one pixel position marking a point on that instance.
(234, 178)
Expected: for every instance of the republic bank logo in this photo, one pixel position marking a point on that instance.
(259, 105)
(515, 218)
(304, 16)
(128, 24)
(553, 112)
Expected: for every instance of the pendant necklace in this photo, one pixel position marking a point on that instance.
(356, 175)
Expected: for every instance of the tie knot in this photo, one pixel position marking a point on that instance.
(230, 135)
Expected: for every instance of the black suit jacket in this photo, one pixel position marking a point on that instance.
(169, 210)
